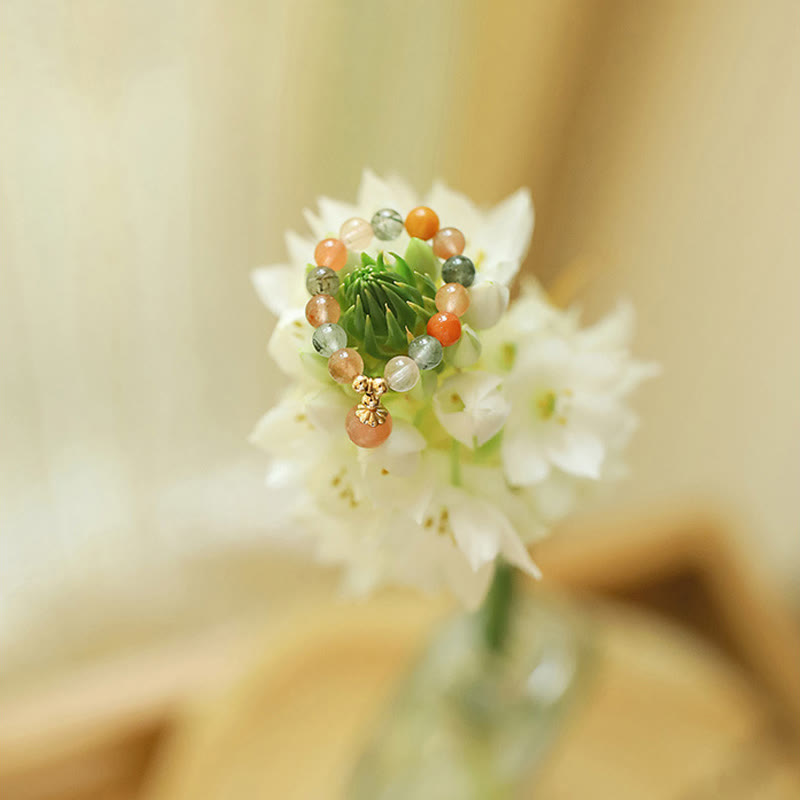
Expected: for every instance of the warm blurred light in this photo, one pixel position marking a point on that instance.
(152, 154)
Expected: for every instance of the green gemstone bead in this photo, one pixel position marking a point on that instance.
(426, 351)
(458, 269)
(322, 280)
(329, 338)
(387, 224)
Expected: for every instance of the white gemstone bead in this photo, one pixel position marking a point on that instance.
(401, 373)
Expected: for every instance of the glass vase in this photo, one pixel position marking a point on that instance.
(473, 720)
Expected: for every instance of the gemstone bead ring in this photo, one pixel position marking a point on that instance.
(369, 423)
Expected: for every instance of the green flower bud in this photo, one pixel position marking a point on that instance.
(382, 306)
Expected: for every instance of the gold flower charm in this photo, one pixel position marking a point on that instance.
(369, 410)
(371, 416)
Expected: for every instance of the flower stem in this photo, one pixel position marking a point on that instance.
(496, 611)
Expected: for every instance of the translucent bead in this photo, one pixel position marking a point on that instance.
(401, 373)
(331, 253)
(448, 242)
(387, 224)
(322, 280)
(444, 327)
(345, 364)
(322, 308)
(488, 302)
(356, 234)
(329, 338)
(426, 351)
(453, 298)
(365, 435)
(458, 269)
(422, 222)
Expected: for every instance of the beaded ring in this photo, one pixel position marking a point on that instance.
(369, 423)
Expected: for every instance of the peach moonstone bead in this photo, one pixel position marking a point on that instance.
(448, 242)
(422, 222)
(356, 234)
(331, 253)
(452, 298)
(364, 435)
(345, 364)
(322, 308)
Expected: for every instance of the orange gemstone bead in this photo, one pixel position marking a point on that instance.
(331, 253)
(422, 222)
(448, 242)
(445, 327)
(365, 435)
(322, 308)
(453, 298)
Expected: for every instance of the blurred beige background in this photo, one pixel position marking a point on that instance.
(152, 153)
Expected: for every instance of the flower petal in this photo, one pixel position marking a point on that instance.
(376, 193)
(326, 409)
(524, 461)
(502, 272)
(515, 552)
(506, 233)
(578, 453)
(471, 408)
(274, 286)
(482, 531)
(282, 429)
(476, 527)
(301, 251)
(333, 213)
(291, 336)
(457, 209)
(399, 454)
(468, 585)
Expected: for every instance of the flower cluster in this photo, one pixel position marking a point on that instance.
(524, 412)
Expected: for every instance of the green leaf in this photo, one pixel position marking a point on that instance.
(402, 269)
(375, 314)
(400, 307)
(360, 316)
(421, 258)
(370, 342)
(426, 285)
(396, 338)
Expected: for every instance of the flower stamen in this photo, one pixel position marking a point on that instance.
(546, 404)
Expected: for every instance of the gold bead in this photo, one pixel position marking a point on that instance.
(360, 384)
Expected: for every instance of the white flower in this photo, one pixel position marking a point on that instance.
(544, 416)
(471, 407)
(475, 531)
(568, 391)
(387, 514)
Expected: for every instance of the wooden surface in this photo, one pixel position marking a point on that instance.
(95, 731)
(664, 717)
